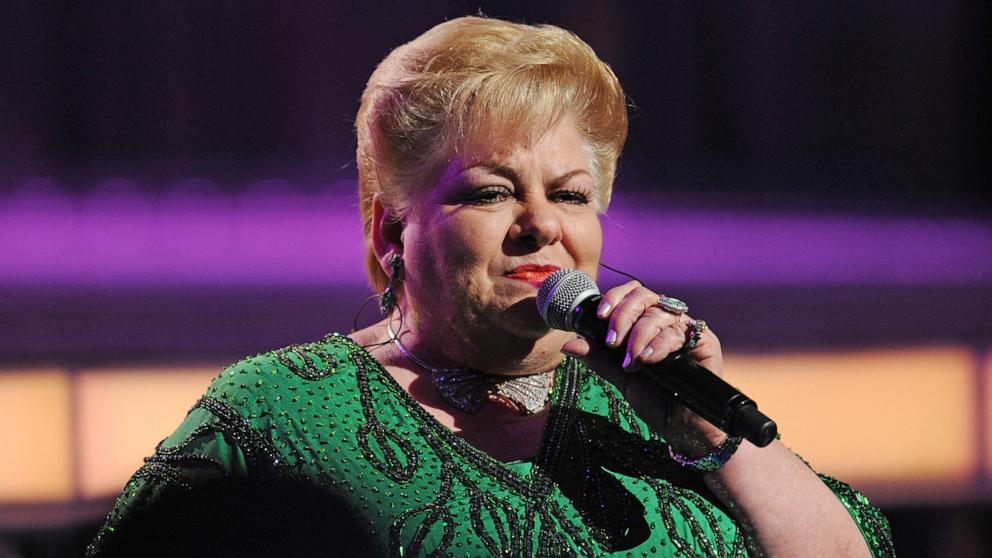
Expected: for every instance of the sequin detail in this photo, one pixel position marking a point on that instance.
(328, 413)
(607, 509)
(258, 450)
(381, 446)
(872, 523)
(304, 364)
(163, 473)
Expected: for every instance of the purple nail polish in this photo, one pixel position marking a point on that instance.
(626, 361)
(611, 337)
(603, 310)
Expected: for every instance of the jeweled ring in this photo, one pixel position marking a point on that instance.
(693, 333)
(673, 305)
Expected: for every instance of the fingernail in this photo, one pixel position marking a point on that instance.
(611, 337)
(626, 361)
(646, 352)
(604, 309)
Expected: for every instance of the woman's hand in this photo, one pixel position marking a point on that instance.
(648, 334)
(783, 506)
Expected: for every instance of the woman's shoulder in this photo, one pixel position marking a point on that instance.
(287, 372)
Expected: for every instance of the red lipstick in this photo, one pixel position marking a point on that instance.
(531, 273)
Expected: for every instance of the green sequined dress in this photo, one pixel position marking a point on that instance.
(327, 414)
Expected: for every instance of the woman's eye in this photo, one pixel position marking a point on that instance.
(570, 196)
(489, 195)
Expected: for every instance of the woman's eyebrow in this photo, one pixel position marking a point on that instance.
(510, 174)
(499, 170)
(568, 176)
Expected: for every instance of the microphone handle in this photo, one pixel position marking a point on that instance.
(691, 384)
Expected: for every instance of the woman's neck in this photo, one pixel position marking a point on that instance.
(482, 348)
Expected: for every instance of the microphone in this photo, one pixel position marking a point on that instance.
(568, 299)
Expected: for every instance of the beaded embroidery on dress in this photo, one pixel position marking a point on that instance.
(328, 413)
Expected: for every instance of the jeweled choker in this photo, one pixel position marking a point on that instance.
(468, 389)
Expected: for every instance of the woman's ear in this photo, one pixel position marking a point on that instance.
(387, 230)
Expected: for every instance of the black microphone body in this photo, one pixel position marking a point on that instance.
(691, 384)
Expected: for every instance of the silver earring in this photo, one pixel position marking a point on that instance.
(387, 300)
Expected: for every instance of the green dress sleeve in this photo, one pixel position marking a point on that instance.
(874, 527)
(201, 453)
(192, 471)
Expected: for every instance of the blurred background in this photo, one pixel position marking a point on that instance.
(177, 191)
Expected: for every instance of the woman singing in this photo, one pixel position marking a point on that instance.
(461, 424)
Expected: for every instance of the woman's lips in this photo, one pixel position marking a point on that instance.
(531, 273)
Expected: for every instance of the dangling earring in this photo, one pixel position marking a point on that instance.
(387, 300)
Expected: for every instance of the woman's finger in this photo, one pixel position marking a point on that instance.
(649, 327)
(613, 297)
(665, 343)
(628, 311)
(708, 352)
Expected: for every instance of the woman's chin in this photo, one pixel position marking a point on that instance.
(523, 320)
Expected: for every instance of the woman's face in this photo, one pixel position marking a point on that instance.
(497, 223)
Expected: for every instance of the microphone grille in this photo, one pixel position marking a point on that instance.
(560, 293)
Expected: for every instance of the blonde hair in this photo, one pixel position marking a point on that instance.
(475, 79)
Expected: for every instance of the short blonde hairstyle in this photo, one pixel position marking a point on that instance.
(476, 79)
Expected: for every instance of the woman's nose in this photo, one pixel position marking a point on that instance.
(538, 223)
